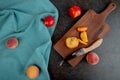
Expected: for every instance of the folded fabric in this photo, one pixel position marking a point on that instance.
(23, 19)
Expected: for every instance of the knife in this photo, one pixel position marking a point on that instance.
(82, 51)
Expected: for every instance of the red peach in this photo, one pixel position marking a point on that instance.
(49, 21)
(74, 11)
(92, 58)
(12, 43)
(32, 72)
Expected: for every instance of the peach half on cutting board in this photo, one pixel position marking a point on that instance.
(73, 42)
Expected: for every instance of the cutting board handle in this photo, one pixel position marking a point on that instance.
(109, 9)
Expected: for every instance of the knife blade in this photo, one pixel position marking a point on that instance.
(82, 51)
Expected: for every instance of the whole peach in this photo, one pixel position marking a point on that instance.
(12, 43)
(92, 58)
(32, 72)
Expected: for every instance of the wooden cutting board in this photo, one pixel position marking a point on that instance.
(97, 28)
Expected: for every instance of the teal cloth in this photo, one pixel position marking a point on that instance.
(23, 19)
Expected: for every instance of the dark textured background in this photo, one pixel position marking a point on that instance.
(109, 52)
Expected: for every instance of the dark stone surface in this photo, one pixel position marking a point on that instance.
(109, 52)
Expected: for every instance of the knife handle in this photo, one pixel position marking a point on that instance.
(93, 46)
(70, 57)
